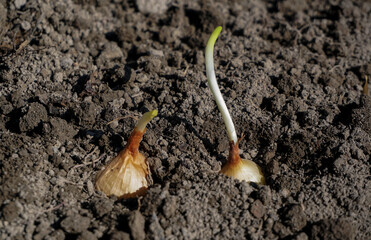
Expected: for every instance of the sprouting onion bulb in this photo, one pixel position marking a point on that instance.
(126, 175)
(236, 167)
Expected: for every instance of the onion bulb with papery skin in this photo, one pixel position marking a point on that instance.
(126, 175)
(235, 167)
(242, 169)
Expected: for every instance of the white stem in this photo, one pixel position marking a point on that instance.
(210, 73)
(142, 123)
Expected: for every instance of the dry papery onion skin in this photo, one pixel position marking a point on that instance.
(126, 175)
(242, 169)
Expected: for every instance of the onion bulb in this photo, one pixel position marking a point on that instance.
(235, 167)
(126, 175)
(241, 169)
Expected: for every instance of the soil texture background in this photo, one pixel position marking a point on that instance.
(75, 74)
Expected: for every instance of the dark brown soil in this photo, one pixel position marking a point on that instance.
(292, 73)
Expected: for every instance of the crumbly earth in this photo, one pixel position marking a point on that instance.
(75, 74)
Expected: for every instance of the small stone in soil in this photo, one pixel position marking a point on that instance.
(257, 209)
(296, 218)
(75, 224)
(10, 211)
(35, 114)
(87, 235)
(136, 225)
(103, 206)
(119, 235)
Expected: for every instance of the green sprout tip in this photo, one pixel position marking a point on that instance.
(148, 116)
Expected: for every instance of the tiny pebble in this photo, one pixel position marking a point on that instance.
(66, 62)
(26, 25)
(19, 3)
(58, 77)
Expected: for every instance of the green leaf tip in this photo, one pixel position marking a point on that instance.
(148, 116)
(154, 113)
(214, 36)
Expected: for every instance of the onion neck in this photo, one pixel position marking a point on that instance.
(136, 136)
(134, 141)
(234, 156)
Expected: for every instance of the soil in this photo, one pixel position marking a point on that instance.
(75, 74)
